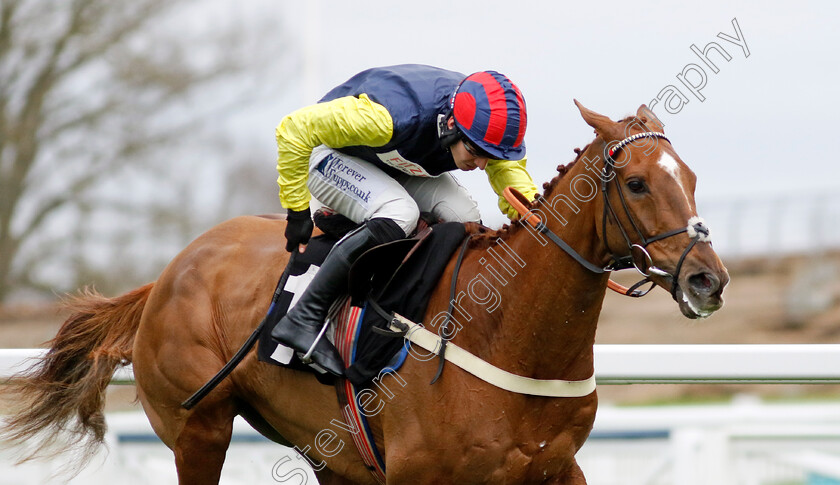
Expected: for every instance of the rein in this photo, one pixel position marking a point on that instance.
(696, 230)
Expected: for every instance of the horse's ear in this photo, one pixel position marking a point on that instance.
(646, 116)
(602, 124)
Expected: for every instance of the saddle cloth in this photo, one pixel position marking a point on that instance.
(406, 291)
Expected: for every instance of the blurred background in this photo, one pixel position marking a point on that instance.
(126, 130)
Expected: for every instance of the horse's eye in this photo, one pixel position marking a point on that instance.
(636, 186)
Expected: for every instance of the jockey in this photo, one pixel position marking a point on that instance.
(377, 149)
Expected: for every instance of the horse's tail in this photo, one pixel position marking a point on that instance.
(60, 398)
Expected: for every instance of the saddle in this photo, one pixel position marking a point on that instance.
(399, 276)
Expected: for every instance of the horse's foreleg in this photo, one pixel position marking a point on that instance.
(202, 444)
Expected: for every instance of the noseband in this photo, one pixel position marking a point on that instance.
(696, 229)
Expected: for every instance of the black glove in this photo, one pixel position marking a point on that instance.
(298, 228)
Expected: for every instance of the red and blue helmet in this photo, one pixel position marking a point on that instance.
(490, 111)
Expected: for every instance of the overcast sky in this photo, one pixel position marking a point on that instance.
(767, 124)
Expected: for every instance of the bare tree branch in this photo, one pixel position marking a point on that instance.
(92, 92)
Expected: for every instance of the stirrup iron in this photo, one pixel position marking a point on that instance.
(307, 357)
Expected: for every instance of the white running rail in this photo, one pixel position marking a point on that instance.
(645, 364)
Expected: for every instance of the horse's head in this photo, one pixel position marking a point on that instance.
(647, 214)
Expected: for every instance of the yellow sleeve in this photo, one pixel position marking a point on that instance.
(347, 121)
(510, 173)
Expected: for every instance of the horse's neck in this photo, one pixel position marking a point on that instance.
(544, 323)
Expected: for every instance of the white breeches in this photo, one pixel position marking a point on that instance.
(360, 191)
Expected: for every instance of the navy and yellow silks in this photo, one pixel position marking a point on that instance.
(388, 117)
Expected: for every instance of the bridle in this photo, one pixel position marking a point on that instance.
(696, 229)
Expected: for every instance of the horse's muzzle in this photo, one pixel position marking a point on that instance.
(700, 293)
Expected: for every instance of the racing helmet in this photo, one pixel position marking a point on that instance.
(490, 111)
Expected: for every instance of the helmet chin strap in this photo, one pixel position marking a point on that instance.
(446, 135)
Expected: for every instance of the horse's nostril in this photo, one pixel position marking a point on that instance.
(704, 283)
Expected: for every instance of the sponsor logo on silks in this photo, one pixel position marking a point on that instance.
(344, 177)
(394, 159)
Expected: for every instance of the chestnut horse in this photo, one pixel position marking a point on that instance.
(180, 330)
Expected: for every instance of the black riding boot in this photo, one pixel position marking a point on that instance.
(303, 323)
